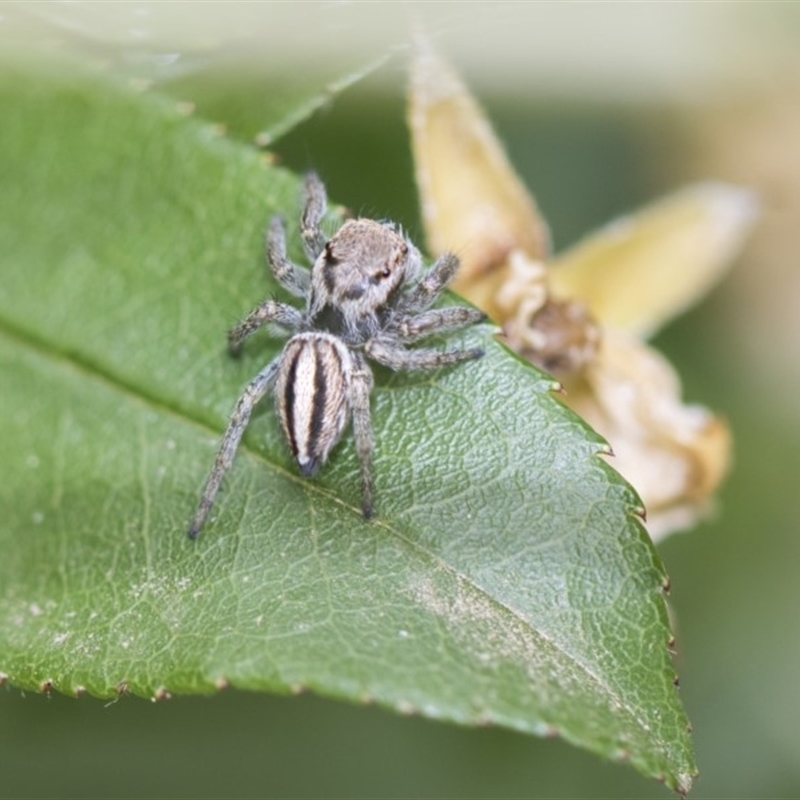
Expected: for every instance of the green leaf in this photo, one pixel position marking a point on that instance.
(505, 580)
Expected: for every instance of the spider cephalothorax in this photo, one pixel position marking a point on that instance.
(366, 296)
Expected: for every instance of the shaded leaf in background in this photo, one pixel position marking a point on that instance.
(506, 579)
(284, 100)
(198, 63)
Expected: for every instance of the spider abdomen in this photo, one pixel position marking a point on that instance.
(311, 395)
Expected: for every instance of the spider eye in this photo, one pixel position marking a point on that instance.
(381, 274)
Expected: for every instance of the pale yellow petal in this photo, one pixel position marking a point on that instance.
(674, 454)
(472, 201)
(639, 271)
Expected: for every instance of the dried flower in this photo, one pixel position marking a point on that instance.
(583, 315)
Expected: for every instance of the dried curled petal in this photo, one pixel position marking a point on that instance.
(560, 336)
(676, 455)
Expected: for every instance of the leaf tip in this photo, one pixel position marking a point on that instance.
(160, 695)
(46, 687)
(220, 684)
(78, 691)
(3, 678)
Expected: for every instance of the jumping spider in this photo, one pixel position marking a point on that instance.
(366, 296)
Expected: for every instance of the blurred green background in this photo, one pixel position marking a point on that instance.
(601, 109)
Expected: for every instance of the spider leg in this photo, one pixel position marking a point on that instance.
(360, 387)
(438, 320)
(269, 311)
(255, 391)
(432, 284)
(293, 278)
(314, 206)
(397, 357)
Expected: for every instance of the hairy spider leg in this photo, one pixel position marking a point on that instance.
(270, 311)
(437, 320)
(360, 390)
(396, 357)
(293, 278)
(315, 203)
(255, 391)
(431, 285)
